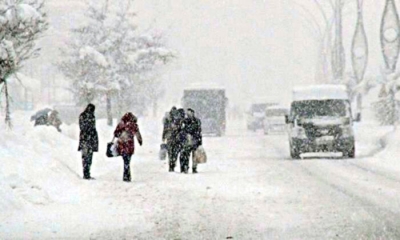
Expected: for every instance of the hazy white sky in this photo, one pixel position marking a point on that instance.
(256, 48)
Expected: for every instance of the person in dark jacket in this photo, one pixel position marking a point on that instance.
(126, 130)
(171, 136)
(191, 131)
(167, 124)
(88, 138)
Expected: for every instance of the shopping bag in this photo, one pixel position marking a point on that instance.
(163, 152)
(200, 155)
(112, 150)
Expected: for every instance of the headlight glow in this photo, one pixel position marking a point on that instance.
(347, 131)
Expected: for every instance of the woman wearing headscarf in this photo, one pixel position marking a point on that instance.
(88, 138)
(126, 130)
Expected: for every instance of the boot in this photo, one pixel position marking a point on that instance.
(194, 170)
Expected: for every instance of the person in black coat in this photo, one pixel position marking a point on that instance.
(171, 136)
(88, 138)
(191, 140)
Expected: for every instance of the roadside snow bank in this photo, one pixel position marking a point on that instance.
(36, 164)
(369, 139)
(391, 143)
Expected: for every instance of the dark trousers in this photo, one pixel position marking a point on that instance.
(184, 158)
(127, 168)
(173, 152)
(87, 156)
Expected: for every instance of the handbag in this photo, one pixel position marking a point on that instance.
(199, 155)
(112, 150)
(163, 152)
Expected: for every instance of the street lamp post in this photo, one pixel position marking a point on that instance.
(390, 28)
(359, 52)
(390, 44)
(338, 57)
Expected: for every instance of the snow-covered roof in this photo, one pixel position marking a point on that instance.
(320, 92)
(205, 85)
(277, 107)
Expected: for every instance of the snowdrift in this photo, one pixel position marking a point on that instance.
(40, 165)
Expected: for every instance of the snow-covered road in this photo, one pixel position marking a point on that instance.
(249, 189)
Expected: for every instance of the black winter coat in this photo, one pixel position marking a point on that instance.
(88, 136)
(192, 129)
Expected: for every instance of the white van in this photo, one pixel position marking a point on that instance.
(320, 120)
(274, 120)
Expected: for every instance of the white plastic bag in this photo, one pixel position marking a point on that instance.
(114, 149)
(200, 155)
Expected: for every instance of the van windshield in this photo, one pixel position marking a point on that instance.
(258, 108)
(320, 108)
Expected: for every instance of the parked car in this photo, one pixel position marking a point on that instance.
(320, 120)
(274, 120)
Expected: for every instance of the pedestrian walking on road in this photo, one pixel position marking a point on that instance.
(88, 138)
(191, 130)
(171, 137)
(126, 131)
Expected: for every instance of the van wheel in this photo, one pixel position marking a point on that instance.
(350, 153)
(219, 134)
(294, 152)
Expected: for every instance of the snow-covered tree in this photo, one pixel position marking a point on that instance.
(21, 24)
(109, 58)
(387, 106)
(325, 25)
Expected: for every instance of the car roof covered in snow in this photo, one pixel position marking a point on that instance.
(204, 86)
(320, 92)
(277, 107)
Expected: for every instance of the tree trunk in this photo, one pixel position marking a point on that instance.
(359, 103)
(8, 114)
(119, 105)
(109, 112)
(155, 106)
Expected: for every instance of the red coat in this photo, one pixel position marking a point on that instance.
(126, 130)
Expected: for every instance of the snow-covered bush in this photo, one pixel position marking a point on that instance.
(109, 59)
(21, 24)
(387, 106)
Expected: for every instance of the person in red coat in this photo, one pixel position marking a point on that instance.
(126, 130)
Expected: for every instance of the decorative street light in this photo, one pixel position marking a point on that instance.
(390, 29)
(359, 52)
(390, 44)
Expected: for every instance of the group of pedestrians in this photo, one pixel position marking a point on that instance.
(182, 135)
(125, 132)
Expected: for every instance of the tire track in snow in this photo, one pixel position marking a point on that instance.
(390, 224)
(375, 172)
